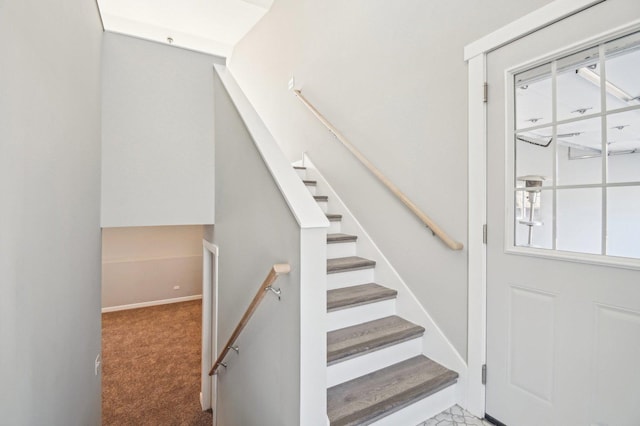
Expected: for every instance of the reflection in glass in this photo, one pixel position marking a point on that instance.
(579, 220)
(580, 152)
(533, 229)
(623, 140)
(558, 200)
(623, 224)
(534, 155)
(622, 71)
(577, 83)
(533, 97)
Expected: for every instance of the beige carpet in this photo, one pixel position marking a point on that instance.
(151, 366)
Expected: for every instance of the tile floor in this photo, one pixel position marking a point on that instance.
(455, 416)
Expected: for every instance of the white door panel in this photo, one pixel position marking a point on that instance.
(563, 337)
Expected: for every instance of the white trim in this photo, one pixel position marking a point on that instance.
(211, 247)
(591, 259)
(475, 54)
(147, 259)
(477, 266)
(208, 385)
(540, 18)
(151, 303)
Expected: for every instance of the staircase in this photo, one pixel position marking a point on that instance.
(376, 372)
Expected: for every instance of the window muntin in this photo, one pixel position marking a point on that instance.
(577, 152)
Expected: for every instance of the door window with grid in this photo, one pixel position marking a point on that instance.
(576, 148)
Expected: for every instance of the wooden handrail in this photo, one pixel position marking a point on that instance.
(276, 270)
(450, 242)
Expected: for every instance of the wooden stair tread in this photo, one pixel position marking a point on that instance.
(341, 238)
(310, 182)
(378, 394)
(349, 263)
(321, 197)
(359, 339)
(362, 294)
(333, 217)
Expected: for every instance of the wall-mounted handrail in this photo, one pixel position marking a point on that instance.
(437, 231)
(276, 270)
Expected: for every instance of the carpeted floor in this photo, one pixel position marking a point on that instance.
(151, 366)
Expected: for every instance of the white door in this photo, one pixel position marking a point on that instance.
(563, 284)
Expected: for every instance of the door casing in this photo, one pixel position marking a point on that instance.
(208, 384)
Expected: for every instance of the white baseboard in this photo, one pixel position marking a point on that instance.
(152, 303)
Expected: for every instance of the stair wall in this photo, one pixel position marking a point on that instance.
(278, 377)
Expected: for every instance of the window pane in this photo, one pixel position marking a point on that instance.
(623, 140)
(533, 230)
(623, 221)
(577, 85)
(622, 70)
(579, 220)
(580, 152)
(577, 135)
(534, 155)
(533, 97)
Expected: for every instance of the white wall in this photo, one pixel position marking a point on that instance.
(144, 264)
(391, 77)
(254, 229)
(157, 134)
(49, 212)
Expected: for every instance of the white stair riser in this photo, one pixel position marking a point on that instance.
(368, 363)
(312, 189)
(334, 227)
(421, 410)
(348, 279)
(341, 250)
(358, 314)
(301, 173)
(324, 205)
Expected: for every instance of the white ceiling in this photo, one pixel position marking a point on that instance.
(211, 26)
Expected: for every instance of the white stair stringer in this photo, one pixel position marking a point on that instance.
(434, 343)
(343, 371)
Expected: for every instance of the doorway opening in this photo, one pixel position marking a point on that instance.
(152, 325)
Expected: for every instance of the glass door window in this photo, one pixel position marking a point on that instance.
(576, 152)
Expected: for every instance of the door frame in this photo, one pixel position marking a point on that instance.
(208, 384)
(475, 54)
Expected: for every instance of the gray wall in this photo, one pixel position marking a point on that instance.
(254, 229)
(157, 134)
(49, 214)
(145, 264)
(391, 78)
